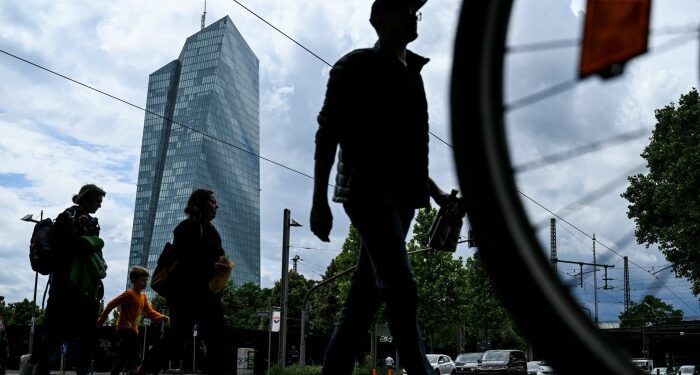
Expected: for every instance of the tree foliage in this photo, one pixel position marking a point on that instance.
(484, 315)
(441, 285)
(651, 311)
(242, 303)
(20, 313)
(327, 299)
(665, 203)
(159, 303)
(297, 288)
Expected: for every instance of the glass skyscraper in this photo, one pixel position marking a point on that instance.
(202, 130)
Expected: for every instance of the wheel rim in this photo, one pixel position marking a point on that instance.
(570, 342)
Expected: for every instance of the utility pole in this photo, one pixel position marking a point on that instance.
(284, 286)
(295, 260)
(595, 281)
(595, 286)
(29, 219)
(627, 284)
(553, 244)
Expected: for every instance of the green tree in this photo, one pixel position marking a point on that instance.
(241, 305)
(159, 303)
(5, 311)
(484, 315)
(665, 203)
(297, 288)
(327, 299)
(441, 286)
(21, 312)
(651, 311)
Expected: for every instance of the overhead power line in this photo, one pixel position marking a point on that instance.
(677, 42)
(309, 51)
(519, 103)
(242, 149)
(153, 113)
(604, 245)
(314, 248)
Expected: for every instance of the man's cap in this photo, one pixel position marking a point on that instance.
(381, 7)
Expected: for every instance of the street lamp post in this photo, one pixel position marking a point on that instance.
(29, 218)
(287, 223)
(644, 345)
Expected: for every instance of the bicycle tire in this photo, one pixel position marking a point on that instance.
(540, 305)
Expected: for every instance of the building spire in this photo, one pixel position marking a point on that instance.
(204, 15)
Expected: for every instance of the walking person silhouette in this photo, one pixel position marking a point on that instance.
(375, 111)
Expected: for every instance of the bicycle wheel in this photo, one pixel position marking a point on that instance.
(502, 228)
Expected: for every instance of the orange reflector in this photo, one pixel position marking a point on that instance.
(615, 31)
(374, 371)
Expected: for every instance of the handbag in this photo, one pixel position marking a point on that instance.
(164, 274)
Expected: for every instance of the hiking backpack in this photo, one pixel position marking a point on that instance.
(40, 247)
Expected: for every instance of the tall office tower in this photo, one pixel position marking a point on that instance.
(202, 131)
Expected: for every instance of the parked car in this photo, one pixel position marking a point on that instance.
(442, 364)
(539, 368)
(466, 363)
(659, 371)
(643, 364)
(512, 362)
(687, 370)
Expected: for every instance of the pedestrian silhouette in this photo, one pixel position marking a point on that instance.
(192, 301)
(76, 285)
(133, 305)
(375, 111)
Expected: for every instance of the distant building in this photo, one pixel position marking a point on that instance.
(211, 92)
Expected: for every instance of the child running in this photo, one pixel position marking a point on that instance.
(133, 304)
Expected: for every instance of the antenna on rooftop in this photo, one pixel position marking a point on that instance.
(204, 15)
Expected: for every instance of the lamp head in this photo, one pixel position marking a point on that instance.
(28, 218)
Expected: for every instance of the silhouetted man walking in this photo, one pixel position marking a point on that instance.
(376, 111)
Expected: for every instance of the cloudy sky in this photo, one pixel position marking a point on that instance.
(57, 135)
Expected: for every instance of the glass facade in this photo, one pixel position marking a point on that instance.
(211, 93)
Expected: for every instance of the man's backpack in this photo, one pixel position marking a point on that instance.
(164, 274)
(40, 247)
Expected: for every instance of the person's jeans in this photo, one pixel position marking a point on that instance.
(383, 275)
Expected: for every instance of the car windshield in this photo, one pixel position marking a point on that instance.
(468, 357)
(432, 358)
(496, 356)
